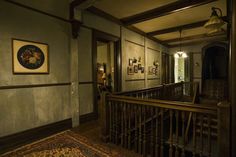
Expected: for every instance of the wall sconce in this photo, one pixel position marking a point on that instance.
(215, 23)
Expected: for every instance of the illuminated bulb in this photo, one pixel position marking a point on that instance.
(176, 55)
(184, 55)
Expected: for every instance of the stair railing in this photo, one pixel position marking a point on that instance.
(158, 128)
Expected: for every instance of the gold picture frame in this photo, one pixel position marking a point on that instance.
(130, 70)
(30, 57)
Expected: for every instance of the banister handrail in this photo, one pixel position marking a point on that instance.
(139, 90)
(183, 106)
(146, 89)
(141, 117)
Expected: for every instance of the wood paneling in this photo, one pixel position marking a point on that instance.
(16, 140)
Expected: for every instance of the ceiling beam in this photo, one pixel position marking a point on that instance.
(193, 37)
(218, 38)
(109, 17)
(164, 10)
(103, 14)
(181, 27)
(76, 3)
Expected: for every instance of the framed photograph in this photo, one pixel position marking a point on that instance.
(150, 70)
(142, 69)
(30, 57)
(139, 67)
(130, 62)
(135, 69)
(130, 70)
(154, 71)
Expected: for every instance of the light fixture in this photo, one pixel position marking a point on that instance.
(215, 23)
(180, 53)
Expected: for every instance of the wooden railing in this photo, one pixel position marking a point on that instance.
(161, 128)
(182, 91)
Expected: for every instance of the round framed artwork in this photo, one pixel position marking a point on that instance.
(30, 57)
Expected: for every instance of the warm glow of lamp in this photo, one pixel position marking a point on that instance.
(214, 24)
(176, 55)
(180, 53)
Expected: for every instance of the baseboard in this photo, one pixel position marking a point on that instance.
(13, 141)
(88, 117)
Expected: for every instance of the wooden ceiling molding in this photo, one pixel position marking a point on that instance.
(107, 16)
(183, 27)
(77, 2)
(194, 37)
(103, 14)
(164, 10)
(213, 39)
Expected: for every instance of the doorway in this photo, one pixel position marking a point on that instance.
(179, 69)
(106, 67)
(215, 71)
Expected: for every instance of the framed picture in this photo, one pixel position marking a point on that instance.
(30, 57)
(135, 69)
(154, 71)
(130, 62)
(142, 69)
(150, 70)
(130, 70)
(139, 67)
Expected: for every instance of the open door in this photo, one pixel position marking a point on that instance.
(106, 67)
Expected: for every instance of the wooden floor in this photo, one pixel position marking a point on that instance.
(92, 131)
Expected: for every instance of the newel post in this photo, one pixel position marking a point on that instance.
(105, 117)
(223, 129)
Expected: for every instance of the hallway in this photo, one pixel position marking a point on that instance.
(92, 131)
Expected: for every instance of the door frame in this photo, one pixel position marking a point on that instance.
(105, 37)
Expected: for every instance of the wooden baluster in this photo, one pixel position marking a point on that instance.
(162, 137)
(157, 152)
(122, 124)
(183, 134)
(209, 135)
(111, 121)
(194, 134)
(177, 133)
(116, 121)
(171, 134)
(129, 125)
(140, 130)
(152, 131)
(119, 121)
(201, 135)
(125, 125)
(136, 128)
(144, 130)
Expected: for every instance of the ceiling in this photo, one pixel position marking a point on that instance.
(162, 19)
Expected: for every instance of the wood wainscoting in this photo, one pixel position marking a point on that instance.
(13, 141)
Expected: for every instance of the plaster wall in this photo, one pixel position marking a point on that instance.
(136, 46)
(85, 71)
(91, 21)
(26, 108)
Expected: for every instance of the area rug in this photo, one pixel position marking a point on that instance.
(65, 144)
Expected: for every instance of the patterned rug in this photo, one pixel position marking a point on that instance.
(65, 144)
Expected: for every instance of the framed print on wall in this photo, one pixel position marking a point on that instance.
(30, 57)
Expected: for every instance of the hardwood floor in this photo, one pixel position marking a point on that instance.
(92, 130)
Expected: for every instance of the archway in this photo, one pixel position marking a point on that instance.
(215, 71)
